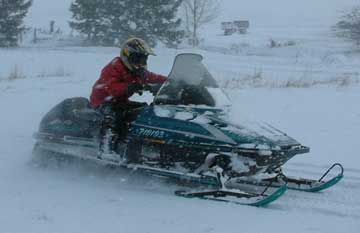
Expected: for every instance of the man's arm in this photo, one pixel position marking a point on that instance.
(117, 89)
(154, 78)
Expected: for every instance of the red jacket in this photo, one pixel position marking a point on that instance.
(113, 83)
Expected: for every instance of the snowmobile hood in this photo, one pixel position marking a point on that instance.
(252, 135)
(197, 123)
(257, 135)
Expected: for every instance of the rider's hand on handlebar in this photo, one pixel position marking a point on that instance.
(135, 88)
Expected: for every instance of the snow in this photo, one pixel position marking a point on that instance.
(133, 25)
(81, 196)
(183, 115)
(201, 119)
(162, 112)
(221, 99)
(68, 198)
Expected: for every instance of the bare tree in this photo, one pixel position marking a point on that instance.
(349, 25)
(198, 13)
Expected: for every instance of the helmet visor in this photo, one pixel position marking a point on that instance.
(138, 59)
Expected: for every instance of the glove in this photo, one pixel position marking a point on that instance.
(135, 88)
(153, 88)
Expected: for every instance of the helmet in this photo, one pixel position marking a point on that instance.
(134, 53)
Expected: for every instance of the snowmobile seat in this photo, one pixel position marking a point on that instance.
(85, 112)
(72, 117)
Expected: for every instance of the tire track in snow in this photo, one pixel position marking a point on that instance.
(338, 201)
(346, 198)
(328, 205)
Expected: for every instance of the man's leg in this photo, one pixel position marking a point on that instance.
(133, 110)
(111, 129)
(133, 146)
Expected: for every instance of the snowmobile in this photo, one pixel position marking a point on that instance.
(185, 135)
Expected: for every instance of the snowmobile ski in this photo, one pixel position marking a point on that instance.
(236, 197)
(223, 194)
(309, 185)
(301, 184)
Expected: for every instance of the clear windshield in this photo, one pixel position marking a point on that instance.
(189, 83)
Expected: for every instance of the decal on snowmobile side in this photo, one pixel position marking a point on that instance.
(170, 134)
(151, 133)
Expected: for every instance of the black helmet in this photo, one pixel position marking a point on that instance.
(134, 53)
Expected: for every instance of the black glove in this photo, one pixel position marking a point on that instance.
(135, 88)
(153, 88)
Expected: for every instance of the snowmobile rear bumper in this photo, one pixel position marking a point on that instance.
(47, 137)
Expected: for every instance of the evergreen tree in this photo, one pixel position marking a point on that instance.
(12, 13)
(88, 18)
(349, 26)
(151, 20)
(114, 21)
(117, 19)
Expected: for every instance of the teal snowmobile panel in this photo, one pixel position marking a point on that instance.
(174, 130)
(197, 125)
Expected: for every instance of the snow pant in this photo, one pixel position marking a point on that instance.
(115, 124)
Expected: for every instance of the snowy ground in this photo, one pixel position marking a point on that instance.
(89, 198)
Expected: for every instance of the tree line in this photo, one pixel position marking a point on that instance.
(109, 22)
(106, 22)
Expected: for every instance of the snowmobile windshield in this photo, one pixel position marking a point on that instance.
(189, 83)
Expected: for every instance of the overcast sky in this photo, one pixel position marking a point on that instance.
(259, 12)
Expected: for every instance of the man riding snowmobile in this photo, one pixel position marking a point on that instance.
(184, 135)
(119, 80)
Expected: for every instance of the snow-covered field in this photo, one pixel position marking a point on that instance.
(310, 90)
